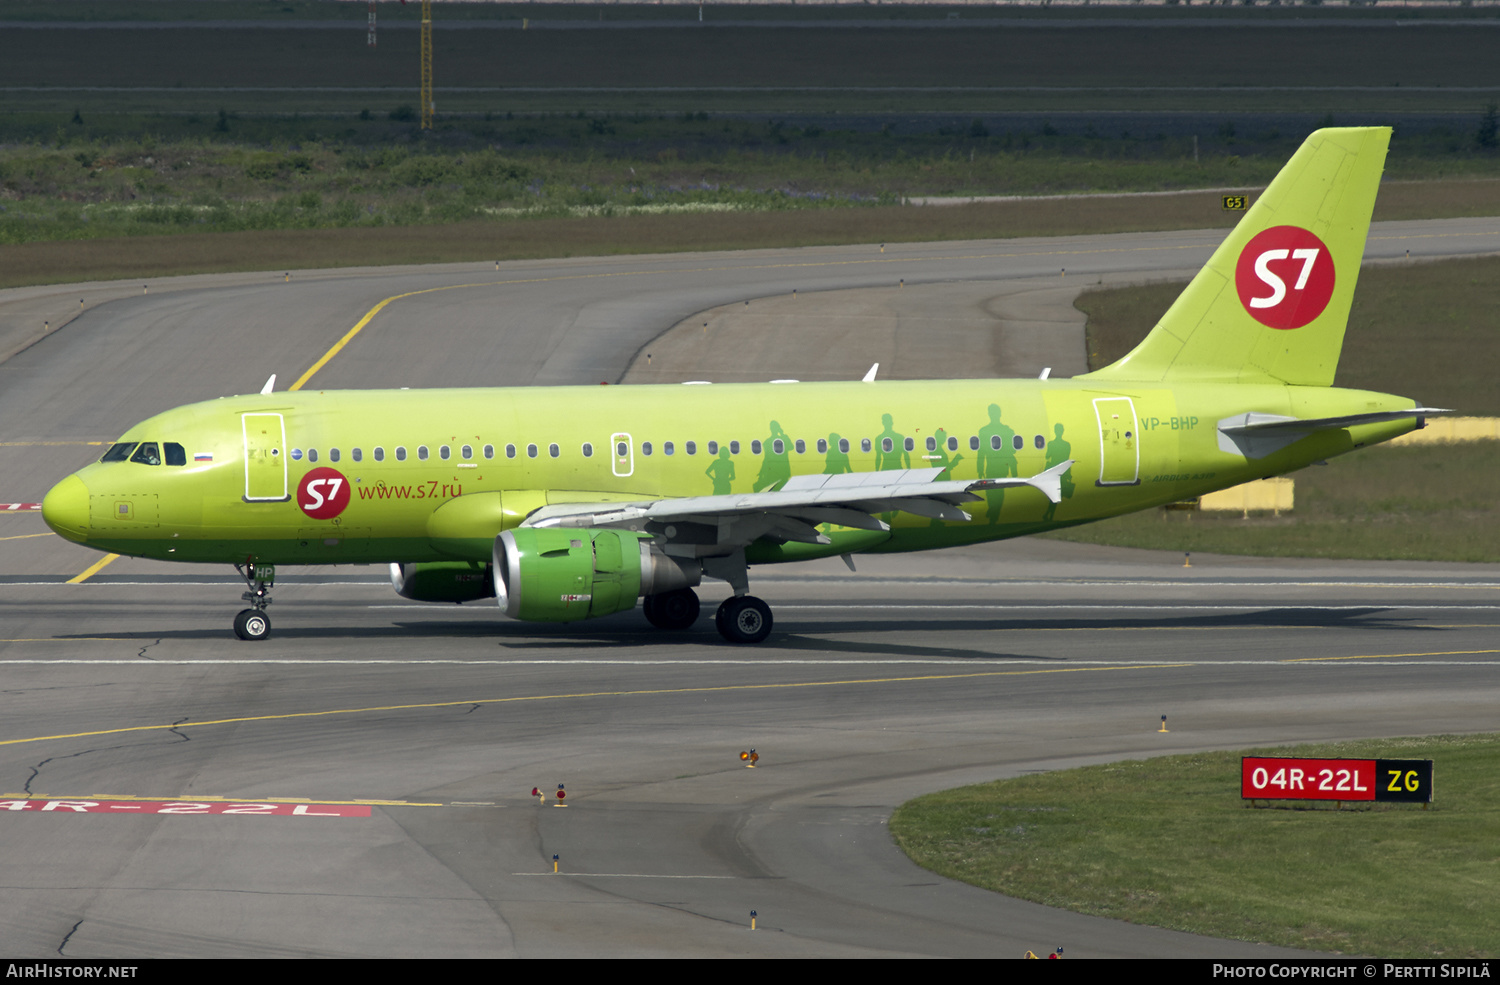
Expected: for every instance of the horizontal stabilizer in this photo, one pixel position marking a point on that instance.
(1256, 435)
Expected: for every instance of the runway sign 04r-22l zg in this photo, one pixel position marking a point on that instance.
(1275, 778)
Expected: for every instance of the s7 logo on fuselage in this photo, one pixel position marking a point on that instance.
(323, 493)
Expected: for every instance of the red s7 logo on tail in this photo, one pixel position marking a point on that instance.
(323, 493)
(1284, 277)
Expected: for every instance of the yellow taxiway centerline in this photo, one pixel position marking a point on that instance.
(1386, 656)
(92, 569)
(580, 694)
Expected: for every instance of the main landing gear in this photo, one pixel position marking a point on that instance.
(253, 623)
(677, 609)
(741, 619)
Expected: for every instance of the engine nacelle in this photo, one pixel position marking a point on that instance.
(562, 575)
(443, 581)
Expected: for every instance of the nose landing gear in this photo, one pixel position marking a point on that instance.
(253, 623)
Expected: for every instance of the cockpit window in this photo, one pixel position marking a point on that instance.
(119, 452)
(147, 454)
(175, 453)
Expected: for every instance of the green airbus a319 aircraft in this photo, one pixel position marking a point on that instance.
(571, 502)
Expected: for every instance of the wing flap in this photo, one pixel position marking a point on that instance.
(851, 500)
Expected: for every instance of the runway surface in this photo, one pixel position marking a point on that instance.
(127, 692)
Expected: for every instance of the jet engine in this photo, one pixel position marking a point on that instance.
(443, 581)
(562, 575)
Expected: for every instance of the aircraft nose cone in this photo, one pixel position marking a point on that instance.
(66, 509)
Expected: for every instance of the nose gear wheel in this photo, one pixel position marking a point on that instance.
(253, 623)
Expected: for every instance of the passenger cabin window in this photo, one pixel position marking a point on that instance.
(333, 454)
(885, 444)
(422, 453)
(510, 451)
(953, 444)
(489, 451)
(1018, 442)
(147, 454)
(119, 452)
(994, 442)
(621, 449)
(931, 443)
(531, 451)
(296, 454)
(379, 454)
(553, 450)
(864, 444)
(645, 448)
(973, 442)
(755, 447)
(822, 445)
(778, 446)
(467, 451)
(844, 445)
(691, 447)
(908, 444)
(356, 454)
(588, 450)
(734, 448)
(176, 455)
(713, 447)
(801, 446)
(443, 453)
(400, 453)
(667, 448)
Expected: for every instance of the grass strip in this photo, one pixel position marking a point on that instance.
(146, 256)
(158, 256)
(1168, 842)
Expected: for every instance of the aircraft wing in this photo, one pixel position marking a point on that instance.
(793, 511)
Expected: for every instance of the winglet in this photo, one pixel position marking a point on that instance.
(1049, 483)
(870, 376)
(270, 384)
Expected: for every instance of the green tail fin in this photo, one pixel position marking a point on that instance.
(1272, 303)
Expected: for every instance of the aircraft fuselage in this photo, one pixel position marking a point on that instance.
(368, 476)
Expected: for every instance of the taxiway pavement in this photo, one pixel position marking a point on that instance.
(913, 675)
